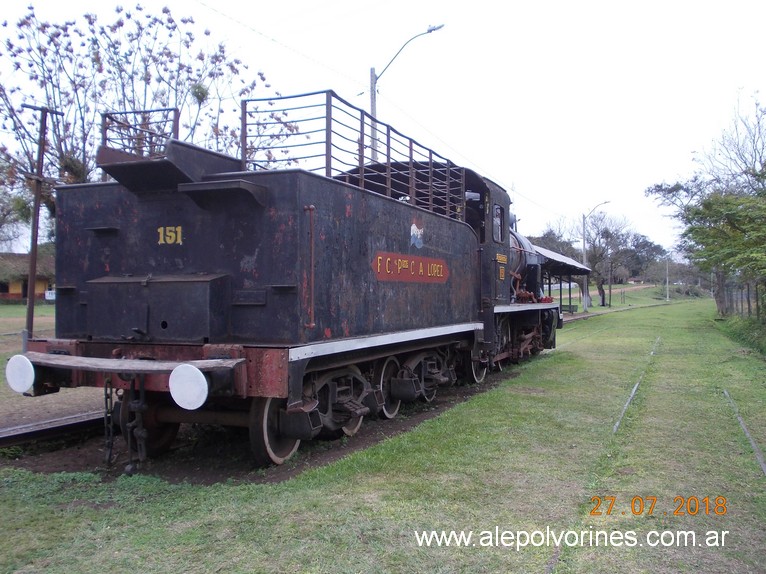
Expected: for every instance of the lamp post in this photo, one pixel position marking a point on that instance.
(586, 294)
(374, 88)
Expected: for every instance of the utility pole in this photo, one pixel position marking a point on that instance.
(38, 188)
(374, 89)
(586, 294)
(667, 279)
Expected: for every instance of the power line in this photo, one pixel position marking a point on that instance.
(276, 42)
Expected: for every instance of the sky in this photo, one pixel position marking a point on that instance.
(564, 104)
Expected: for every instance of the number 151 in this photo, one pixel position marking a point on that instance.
(170, 235)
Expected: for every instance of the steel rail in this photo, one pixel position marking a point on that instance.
(20, 434)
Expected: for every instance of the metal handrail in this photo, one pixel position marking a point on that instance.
(322, 133)
(318, 132)
(140, 132)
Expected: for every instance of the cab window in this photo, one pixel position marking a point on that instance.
(498, 223)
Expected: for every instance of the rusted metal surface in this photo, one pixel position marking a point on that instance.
(54, 370)
(267, 372)
(134, 366)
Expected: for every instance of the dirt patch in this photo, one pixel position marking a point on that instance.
(209, 454)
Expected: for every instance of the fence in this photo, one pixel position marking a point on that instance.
(744, 300)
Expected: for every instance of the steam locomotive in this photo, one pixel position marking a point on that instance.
(334, 270)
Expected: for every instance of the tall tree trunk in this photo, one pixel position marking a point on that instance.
(601, 291)
(719, 292)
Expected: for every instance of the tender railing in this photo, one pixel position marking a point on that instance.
(317, 132)
(142, 133)
(323, 133)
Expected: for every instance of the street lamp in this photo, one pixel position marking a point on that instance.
(586, 295)
(374, 88)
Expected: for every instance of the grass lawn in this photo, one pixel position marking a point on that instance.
(13, 319)
(20, 311)
(538, 453)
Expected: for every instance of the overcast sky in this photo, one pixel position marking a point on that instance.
(565, 104)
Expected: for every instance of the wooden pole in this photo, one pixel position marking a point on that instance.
(38, 188)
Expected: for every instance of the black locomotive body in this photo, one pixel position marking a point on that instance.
(307, 259)
(290, 302)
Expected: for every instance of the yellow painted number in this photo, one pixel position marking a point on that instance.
(170, 235)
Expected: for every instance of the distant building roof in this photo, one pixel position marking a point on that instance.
(558, 264)
(15, 266)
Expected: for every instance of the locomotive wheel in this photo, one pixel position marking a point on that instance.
(159, 436)
(349, 429)
(384, 372)
(478, 372)
(358, 383)
(429, 394)
(267, 444)
(353, 424)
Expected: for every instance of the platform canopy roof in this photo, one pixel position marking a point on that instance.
(560, 265)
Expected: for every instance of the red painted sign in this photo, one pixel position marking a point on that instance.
(409, 268)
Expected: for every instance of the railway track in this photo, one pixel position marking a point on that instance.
(70, 424)
(88, 421)
(54, 428)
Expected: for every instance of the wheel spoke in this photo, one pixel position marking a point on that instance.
(384, 372)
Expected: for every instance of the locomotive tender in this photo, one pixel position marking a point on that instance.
(199, 287)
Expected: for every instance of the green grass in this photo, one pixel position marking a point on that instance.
(626, 297)
(527, 455)
(19, 311)
(630, 296)
(748, 330)
(12, 322)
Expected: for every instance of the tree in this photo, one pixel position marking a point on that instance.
(607, 242)
(728, 231)
(614, 252)
(682, 194)
(138, 61)
(724, 205)
(639, 253)
(737, 161)
(555, 241)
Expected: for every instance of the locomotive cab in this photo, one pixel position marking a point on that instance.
(518, 319)
(487, 211)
